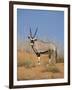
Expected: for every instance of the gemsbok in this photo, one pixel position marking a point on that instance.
(42, 47)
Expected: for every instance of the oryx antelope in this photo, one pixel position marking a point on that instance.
(41, 47)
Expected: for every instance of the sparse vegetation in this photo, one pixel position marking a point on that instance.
(27, 68)
(52, 68)
(26, 63)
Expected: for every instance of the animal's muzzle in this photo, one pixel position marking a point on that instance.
(31, 44)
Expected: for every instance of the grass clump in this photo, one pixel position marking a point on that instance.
(52, 68)
(26, 63)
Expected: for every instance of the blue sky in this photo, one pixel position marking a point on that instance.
(50, 24)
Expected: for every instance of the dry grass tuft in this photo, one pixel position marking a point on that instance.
(52, 68)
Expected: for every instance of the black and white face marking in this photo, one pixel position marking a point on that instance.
(32, 37)
(32, 41)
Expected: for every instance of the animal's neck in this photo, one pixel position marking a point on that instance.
(34, 49)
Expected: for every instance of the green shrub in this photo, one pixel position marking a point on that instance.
(26, 63)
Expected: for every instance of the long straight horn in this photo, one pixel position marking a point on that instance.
(30, 32)
(35, 32)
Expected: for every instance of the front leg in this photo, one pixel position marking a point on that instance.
(39, 60)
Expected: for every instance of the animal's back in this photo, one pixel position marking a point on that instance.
(41, 46)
